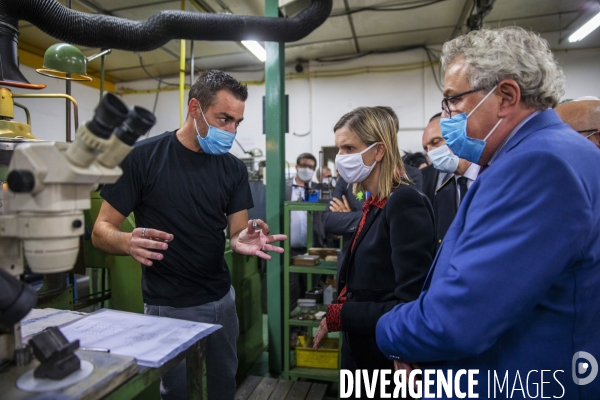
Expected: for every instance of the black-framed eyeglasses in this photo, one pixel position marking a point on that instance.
(590, 132)
(445, 100)
(310, 166)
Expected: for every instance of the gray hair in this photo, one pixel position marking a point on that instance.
(510, 53)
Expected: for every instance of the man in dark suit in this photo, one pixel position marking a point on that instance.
(302, 188)
(453, 177)
(514, 285)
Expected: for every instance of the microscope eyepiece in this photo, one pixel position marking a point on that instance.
(21, 181)
(138, 122)
(109, 114)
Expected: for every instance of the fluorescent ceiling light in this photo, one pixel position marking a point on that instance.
(586, 29)
(256, 49)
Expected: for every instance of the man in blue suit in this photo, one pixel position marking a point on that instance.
(514, 291)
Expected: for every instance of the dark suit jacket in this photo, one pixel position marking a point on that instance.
(430, 179)
(415, 175)
(388, 266)
(445, 206)
(343, 223)
(515, 284)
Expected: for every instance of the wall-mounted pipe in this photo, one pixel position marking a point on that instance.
(103, 31)
(54, 96)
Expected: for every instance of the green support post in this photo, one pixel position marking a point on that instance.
(275, 128)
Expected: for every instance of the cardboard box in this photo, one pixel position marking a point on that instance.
(322, 252)
(305, 260)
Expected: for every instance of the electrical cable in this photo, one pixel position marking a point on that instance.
(437, 81)
(386, 8)
(152, 76)
(473, 8)
(360, 55)
(154, 108)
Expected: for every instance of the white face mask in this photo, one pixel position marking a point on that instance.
(351, 166)
(305, 174)
(443, 159)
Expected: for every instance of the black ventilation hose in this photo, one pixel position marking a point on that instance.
(102, 31)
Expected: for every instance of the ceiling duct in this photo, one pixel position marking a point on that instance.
(104, 31)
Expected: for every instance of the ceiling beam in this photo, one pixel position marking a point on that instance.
(291, 45)
(463, 18)
(351, 22)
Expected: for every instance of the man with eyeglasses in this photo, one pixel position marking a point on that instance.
(302, 188)
(583, 115)
(514, 286)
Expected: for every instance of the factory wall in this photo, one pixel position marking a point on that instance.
(48, 116)
(315, 102)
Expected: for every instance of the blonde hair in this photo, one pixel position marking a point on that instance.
(372, 125)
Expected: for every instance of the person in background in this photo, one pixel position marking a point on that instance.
(514, 284)
(393, 247)
(583, 115)
(432, 177)
(300, 188)
(413, 173)
(327, 175)
(168, 182)
(454, 178)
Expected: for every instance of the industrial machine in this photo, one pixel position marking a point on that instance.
(47, 187)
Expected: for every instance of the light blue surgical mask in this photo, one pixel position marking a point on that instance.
(217, 141)
(454, 130)
(443, 159)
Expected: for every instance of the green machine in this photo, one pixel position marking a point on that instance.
(126, 291)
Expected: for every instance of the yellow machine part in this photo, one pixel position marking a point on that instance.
(11, 129)
(14, 129)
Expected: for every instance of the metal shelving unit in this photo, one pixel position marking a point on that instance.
(326, 268)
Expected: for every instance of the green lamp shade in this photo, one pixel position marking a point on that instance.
(65, 61)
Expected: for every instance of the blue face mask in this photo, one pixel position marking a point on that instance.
(217, 141)
(454, 130)
(443, 159)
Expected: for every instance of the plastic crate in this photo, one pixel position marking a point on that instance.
(326, 357)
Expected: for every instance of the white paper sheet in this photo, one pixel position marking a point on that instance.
(151, 340)
(39, 319)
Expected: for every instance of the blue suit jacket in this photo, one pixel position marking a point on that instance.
(515, 285)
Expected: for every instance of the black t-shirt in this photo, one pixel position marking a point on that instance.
(189, 194)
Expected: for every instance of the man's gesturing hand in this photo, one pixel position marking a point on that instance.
(143, 240)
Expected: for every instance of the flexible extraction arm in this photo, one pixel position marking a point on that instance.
(102, 31)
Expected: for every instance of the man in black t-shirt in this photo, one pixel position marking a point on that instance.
(185, 189)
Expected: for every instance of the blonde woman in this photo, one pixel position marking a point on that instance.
(393, 247)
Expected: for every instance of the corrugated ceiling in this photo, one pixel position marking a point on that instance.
(348, 32)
